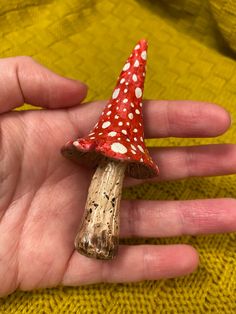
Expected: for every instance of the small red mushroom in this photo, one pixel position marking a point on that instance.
(115, 147)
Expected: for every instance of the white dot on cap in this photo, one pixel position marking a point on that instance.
(125, 100)
(140, 148)
(134, 77)
(115, 93)
(119, 148)
(132, 105)
(109, 106)
(144, 55)
(130, 115)
(137, 47)
(135, 130)
(136, 63)
(138, 92)
(112, 133)
(133, 147)
(126, 83)
(116, 116)
(141, 139)
(124, 132)
(100, 133)
(106, 124)
(141, 104)
(122, 80)
(127, 123)
(125, 90)
(126, 66)
(133, 152)
(137, 111)
(76, 143)
(109, 112)
(120, 123)
(124, 109)
(141, 159)
(135, 139)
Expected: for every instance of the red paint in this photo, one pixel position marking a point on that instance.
(119, 131)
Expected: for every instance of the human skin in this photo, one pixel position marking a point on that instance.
(42, 194)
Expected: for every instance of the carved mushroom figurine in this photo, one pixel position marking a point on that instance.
(115, 147)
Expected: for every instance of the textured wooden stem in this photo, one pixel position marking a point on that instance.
(98, 236)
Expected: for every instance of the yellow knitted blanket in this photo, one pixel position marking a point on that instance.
(192, 51)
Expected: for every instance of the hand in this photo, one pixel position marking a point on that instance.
(42, 194)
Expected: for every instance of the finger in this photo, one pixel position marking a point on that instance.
(166, 118)
(23, 80)
(133, 263)
(192, 161)
(177, 218)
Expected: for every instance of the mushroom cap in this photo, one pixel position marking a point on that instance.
(119, 133)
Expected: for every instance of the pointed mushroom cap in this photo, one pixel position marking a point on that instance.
(119, 132)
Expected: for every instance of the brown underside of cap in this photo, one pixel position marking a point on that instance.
(134, 169)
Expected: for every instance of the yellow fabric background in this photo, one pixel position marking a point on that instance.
(191, 56)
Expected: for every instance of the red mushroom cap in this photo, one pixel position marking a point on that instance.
(119, 132)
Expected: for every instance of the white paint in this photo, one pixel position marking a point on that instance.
(113, 133)
(126, 83)
(115, 93)
(119, 148)
(130, 115)
(125, 100)
(122, 81)
(135, 130)
(116, 116)
(124, 109)
(125, 90)
(141, 104)
(128, 140)
(138, 92)
(136, 63)
(120, 123)
(135, 139)
(134, 77)
(144, 55)
(100, 133)
(109, 106)
(133, 152)
(140, 148)
(126, 66)
(141, 139)
(127, 123)
(141, 159)
(137, 47)
(133, 147)
(109, 112)
(137, 111)
(132, 105)
(124, 132)
(106, 124)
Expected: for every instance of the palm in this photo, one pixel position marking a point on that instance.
(48, 200)
(42, 194)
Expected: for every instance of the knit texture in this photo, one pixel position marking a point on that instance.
(191, 56)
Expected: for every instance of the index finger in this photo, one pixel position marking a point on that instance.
(164, 118)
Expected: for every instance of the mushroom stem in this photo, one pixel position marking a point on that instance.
(98, 235)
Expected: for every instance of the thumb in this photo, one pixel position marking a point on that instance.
(23, 80)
